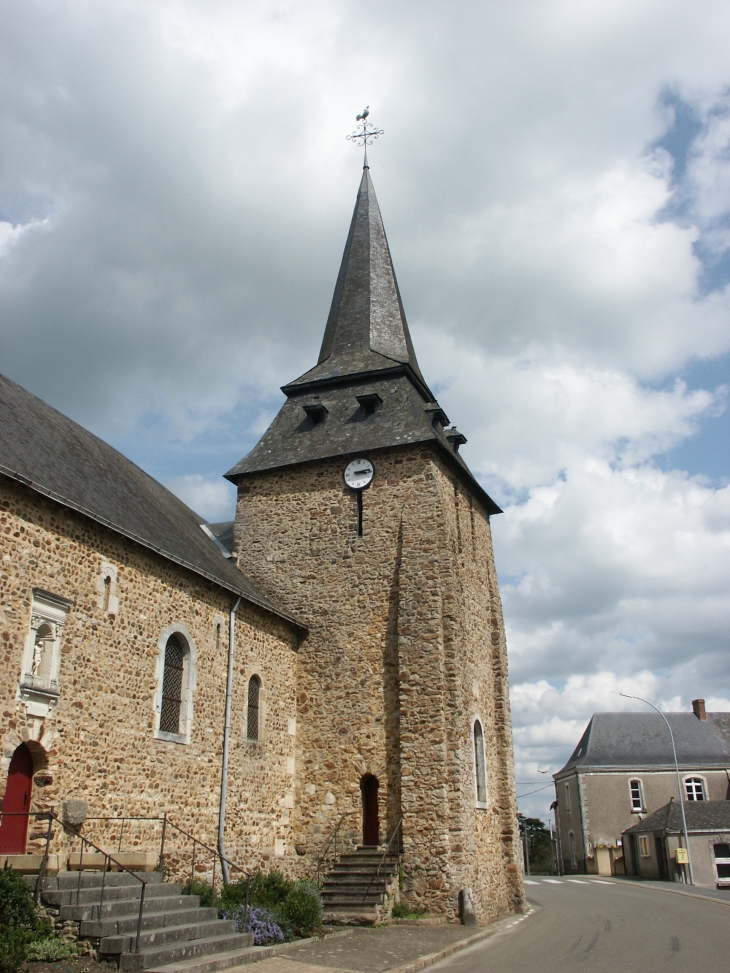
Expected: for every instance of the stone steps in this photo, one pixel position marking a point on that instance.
(175, 931)
(99, 928)
(354, 888)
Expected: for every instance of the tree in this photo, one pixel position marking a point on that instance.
(539, 844)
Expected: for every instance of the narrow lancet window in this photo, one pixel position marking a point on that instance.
(252, 721)
(479, 763)
(172, 685)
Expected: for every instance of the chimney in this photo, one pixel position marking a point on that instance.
(698, 708)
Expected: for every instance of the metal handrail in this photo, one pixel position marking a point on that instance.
(332, 837)
(383, 858)
(107, 860)
(166, 823)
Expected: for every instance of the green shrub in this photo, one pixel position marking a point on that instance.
(14, 942)
(303, 907)
(17, 908)
(196, 886)
(233, 895)
(269, 889)
(48, 950)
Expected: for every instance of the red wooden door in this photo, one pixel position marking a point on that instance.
(16, 804)
(370, 822)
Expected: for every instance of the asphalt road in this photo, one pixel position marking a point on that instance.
(604, 927)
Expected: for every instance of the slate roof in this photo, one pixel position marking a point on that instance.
(51, 454)
(367, 349)
(700, 815)
(630, 740)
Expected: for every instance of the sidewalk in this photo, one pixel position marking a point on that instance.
(680, 888)
(384, 949)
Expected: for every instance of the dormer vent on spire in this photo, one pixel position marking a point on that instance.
(369, 403)
(316, 412)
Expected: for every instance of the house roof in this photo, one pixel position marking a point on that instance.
(700, 815)
(630, 740)
(49, 453)
(366, 351)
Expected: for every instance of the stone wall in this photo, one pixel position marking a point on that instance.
(98, 743)
(406, 645)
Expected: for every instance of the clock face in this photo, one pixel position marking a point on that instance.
(359, 474)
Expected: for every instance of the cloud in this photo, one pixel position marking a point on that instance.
(212, 499)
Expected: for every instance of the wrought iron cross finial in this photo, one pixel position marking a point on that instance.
(366, 132)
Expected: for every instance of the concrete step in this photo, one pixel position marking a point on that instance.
(356, 899)
(70, 880)
(337, 878)
(220, 961)
(97, 928)
(352, 890)
(115, 893)
(170, 934)
(128, 907)
(175, 953)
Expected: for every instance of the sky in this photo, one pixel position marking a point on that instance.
(554, 178)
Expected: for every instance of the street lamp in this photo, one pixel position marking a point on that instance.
(679, 783)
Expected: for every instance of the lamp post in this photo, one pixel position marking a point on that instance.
(679, 783)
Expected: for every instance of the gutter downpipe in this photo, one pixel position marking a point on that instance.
(679, 783)
(226, 744)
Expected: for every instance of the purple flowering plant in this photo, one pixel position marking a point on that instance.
(262, 923)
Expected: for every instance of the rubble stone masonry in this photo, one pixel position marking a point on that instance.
(405, 649)
(98, 743)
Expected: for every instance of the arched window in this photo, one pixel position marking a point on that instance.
(480, 770)
(636, 793)
(173, 684)
(695, 788)
(252, 716)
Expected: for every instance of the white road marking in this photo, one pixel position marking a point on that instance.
(554, 881)
(577, 881)
(602, 881)
(530, 882)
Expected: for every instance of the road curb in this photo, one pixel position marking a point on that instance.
(688, 895)
(424, 961)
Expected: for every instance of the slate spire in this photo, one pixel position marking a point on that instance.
(366, 328)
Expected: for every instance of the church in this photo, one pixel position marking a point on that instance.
(332, 661)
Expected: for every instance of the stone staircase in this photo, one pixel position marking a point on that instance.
(353, 894)
(178, 936)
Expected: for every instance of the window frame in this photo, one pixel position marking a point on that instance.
(723, 881)
(567, 797)
(644, 846)
(640, 787)
(480, 803)
(254, 677)
(188, 684)
(694, 779)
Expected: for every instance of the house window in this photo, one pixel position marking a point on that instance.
(252, 717)
(637, 795)
(480, 769)
(39, 678)
(175, 686)
(573, 855)
(644, 849)
(695, 788)
(567, 797)
(722, 861)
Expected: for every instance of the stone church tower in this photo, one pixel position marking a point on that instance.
(403, 705)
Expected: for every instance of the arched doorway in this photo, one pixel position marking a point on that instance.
(370, 822)
(16, 803)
